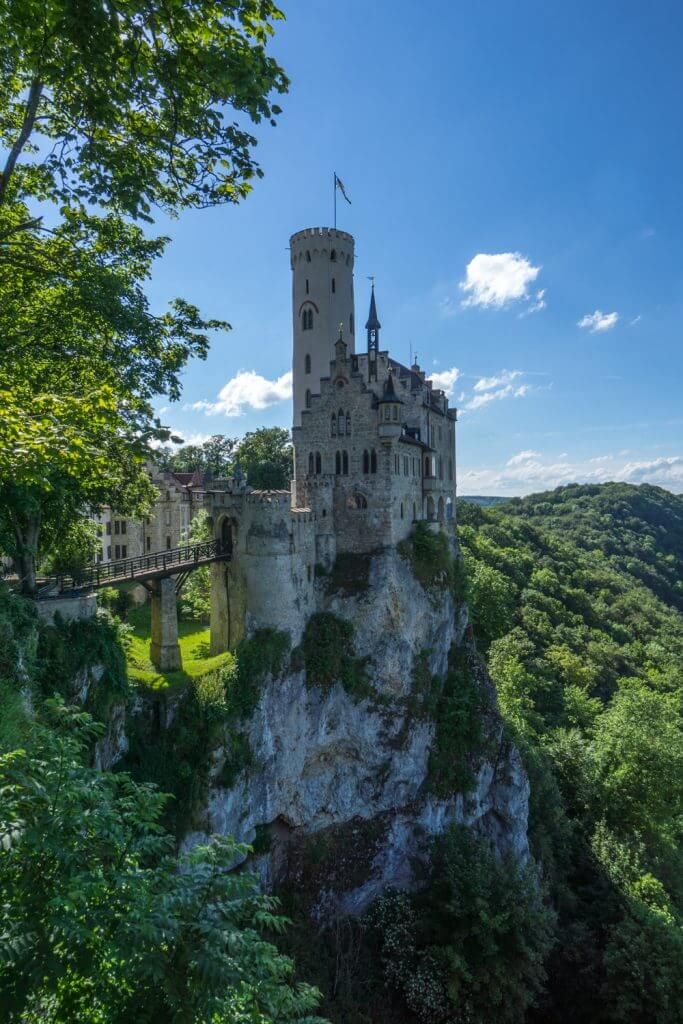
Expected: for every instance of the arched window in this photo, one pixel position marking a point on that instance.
(307, 363)
(333, 255)
(340, 422)
(356, 501)
(308, 398)
(373, 461)
(337, 463)
(334, 286)
(310, 463)
(318, 463)
(366, 461)
(348, 423)
(345, 463)
(333, 425)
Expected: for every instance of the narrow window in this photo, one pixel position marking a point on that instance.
(366, 461)
(117, 526)
(337, 463)
(348, 423)
(307, 286)
(373, 461)
(304, 320)
(149, 543)
(340, 422)
(168, 543)
(333, 425)
(307, 363)
(345, 463)
(401, 510)
(124, 551)
(333, 255)
(308, 256)
(308, 398)
(394, 412)
(440, 468)
(109, 529)
(318, 463)
(426, 465)
(123, 526)
(334, 286)
(310, 463)
(117, 551)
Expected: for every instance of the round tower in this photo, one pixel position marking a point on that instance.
(322, 299)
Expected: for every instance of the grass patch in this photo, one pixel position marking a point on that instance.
(193, 638)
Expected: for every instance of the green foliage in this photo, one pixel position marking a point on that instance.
(195, 597)
(172, 744)
(471, 948)
(433, 562)
(114, 93)
(213, 457)
(98, 923)
(587, 671)
(116, 600)
(265, 457)
(327, 650)
(458, 704)
(73, 551)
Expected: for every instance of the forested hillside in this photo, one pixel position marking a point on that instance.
(574, 597)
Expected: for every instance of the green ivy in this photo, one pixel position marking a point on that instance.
(433, 562)
(458, 706)
(326, 652)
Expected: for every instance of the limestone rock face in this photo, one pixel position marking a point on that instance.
(327, 764)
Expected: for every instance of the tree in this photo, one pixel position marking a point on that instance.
(98, 923)
(133, 104)
(213, 456)
(265, 456)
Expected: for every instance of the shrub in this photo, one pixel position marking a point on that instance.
(327, 647)
(458, 707)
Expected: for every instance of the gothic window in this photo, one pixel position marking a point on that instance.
(318, 463)
(310, 463)
(308, 398)
(345, 463)
(307, 363)
(366, 461)
(340, 422)
(334, 286)
(357, 501)
(373, 461)
(333, 425)
(348, 423)
(333, 255)
(337, 463)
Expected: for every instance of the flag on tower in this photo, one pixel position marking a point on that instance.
(340, 185)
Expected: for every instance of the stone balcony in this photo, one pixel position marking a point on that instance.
(431, 483)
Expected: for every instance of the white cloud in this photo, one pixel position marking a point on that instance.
(195, 439)
(537, 304)
(494, 280)
(492, 396)
(521, 457)
(636, 320)
(598, 322)
(248, 390)
(504, 377)
(528, 471)
(445, 380)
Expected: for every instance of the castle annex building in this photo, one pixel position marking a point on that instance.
(374, 452)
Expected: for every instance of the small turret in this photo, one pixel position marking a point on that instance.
(390, 420)
(372, 327)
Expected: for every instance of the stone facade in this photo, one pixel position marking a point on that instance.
(374, 452)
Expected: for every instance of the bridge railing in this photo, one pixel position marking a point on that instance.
(101, 573)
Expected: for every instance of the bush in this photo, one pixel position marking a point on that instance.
(458, 707)
(326, 648)
(433, 562)
(472, 947)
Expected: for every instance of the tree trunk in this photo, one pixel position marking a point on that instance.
(26, 534)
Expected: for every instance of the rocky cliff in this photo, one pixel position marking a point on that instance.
(346, 786)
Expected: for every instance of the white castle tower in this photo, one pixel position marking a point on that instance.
(322, 299)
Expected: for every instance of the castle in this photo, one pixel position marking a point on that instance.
(374, 452)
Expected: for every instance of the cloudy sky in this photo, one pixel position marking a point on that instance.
(516, 176)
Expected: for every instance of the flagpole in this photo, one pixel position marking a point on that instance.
(334, 190)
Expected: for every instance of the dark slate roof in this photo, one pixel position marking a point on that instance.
(389, 394)
(373, 323)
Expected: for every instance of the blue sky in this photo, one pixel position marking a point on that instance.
(517, 185)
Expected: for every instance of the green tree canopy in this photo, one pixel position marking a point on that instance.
(265, 456)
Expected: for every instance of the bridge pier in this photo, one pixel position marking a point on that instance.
(165, 650)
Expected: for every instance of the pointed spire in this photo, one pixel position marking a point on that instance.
(373, 323)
